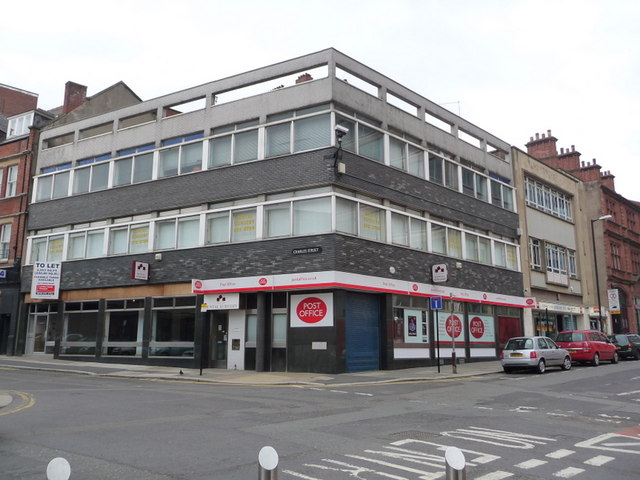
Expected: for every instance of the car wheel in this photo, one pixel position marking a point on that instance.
(596, 360)
(566, 364)
(636, 354)
(541, 367)
(614, 359)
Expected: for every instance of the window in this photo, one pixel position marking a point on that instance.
(481, 188)
(635, 261)
(454, 243)
(535, 259)
(556, 259)
(415, 161)
(468, 182)
(346, 216)
(181, 159)
(471, 247)
(312, 216)
(451, 175)
(439, 239)
(95, 243)
(218, 227)
(399, 229)
(173, 327)
(397, 153)
(5, 240)
(277, 220)
(61, 185)
(12, 181)
(220, 151)
(166, 234)
(312, 132)
(139, 238)
(418, 239)
(543, 197)
(573, 268)
(246, 146)
(372, 225)
(243, 225)
(484, 250)
(370, 143)
(436, 173)
(278, 139)
(118, 240)
(615, 256)
(188, 232)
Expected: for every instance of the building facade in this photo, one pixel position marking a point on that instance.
(615, 236)
(556, 248)
(312, 215)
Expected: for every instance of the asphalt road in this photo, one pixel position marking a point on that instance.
(581, 424)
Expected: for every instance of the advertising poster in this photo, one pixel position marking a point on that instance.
(315, 310)
(415, 327)
(45, 282)
(481, 329)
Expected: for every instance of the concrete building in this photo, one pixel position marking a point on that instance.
(556, 248)
(616, 232)
(312, 215)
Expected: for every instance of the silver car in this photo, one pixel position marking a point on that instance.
(536, 353)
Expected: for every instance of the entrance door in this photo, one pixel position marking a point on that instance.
(218, 341)
(36, 334)
(362, 332)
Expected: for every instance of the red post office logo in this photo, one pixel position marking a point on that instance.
(453, 326)
(311, 310)
(197, 284)
(262, 281)
(476, 327)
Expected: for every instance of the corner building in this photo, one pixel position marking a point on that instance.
(297, 217)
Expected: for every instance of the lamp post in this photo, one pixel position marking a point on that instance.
(595, 264)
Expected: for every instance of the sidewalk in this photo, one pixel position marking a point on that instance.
(246, 377)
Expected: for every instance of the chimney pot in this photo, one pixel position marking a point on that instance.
(537, 136)
(549, 133)
(573, 148)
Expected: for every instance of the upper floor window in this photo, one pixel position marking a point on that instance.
(5, 240)
(616, 261)
(543, 197)
(19, 125)
(182, 158)
(12, 181)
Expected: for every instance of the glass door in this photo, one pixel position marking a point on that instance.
(218, 338)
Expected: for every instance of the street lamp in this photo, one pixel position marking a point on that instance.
(595, 264)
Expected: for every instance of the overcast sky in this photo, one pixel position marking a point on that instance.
(512, 67)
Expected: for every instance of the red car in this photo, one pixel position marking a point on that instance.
(588, 346)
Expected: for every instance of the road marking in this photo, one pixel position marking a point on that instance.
(364, 394)
(568, 472)
(628, 393)
(560, 453)
(499, 475)
(472, 458)
(599, 460)
(523, 409)
(423, 474)
(338, 391)
(601, 443)
(500, 438)
(28, 402)
(300, 475)
(533, 463)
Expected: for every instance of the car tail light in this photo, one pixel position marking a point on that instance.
(533, 355)
(502, 354)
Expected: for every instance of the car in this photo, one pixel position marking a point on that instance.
(627, 344)
(533, 353)
(588, 346)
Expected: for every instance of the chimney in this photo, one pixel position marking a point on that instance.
(305, 77)
(607, 180)
(74, 96)
(543, 147)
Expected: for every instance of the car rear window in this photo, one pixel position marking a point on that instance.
(570, 337)
(519, 344)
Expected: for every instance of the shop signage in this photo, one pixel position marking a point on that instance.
(139, 270)
(314, 310)
(439, 273)
(221, 301)
(3, 273)
(481, 329)
(614, 300)
(306, 251)
(45, 282)
(415, 327)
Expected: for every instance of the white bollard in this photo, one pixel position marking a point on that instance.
(454, 458)
(268, 464)
(58, 469)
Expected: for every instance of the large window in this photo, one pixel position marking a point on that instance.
(173, 327)
(12, 181)
(181, 158)
(123, 328)
(5, 240)
(312, 216)
(547, 199)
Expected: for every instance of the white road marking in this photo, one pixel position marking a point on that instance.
(338, 391)
(560, 453)
(599, 460)
(500, 438)
(568, 472)
(300, 475)
(498, 475)
(424, 475)
(364, 394)
(533, 463)
(354, 471)
(473, 456)
(628, 393)
(523, 409)
(599, 443)
(604, 415)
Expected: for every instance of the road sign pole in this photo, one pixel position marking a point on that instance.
(454, 324)
(438, 337)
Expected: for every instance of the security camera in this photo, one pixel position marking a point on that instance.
(341, 131)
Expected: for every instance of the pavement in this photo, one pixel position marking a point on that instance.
(244, 377)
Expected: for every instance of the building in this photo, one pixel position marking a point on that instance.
(615, 234)
(556, 248)
(312, 215)
(18, 113)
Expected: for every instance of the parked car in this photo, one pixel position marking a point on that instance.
(588, 346)
(534, 353)
(627, 344)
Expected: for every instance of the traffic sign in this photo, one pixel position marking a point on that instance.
(436, 303)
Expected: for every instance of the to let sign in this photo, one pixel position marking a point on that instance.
(45, 282)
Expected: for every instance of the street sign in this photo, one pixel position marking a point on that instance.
(436, 303)
(439, 272)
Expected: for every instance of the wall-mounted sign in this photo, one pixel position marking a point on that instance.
(45, 282)
(3, 273)
(221, 301)
(306, 251)
(315, 310)
(139, 270)
(614, 300)
(439, 273)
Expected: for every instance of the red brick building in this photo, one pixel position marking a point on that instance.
(619, 251)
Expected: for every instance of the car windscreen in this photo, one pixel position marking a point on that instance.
(570, 337)
(519, 344)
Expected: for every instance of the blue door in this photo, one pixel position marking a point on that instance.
(362, 324)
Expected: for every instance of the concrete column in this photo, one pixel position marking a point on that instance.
(261, 333)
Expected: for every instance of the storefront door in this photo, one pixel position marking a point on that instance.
(219, 338)
(36, 334)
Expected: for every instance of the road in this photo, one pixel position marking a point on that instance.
(581, 424)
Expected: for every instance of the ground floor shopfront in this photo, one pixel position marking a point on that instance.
(329, 322)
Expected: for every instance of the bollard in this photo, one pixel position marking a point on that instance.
(58, 469)
(454, 458)
(268, 464)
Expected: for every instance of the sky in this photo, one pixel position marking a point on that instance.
(512, 67)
